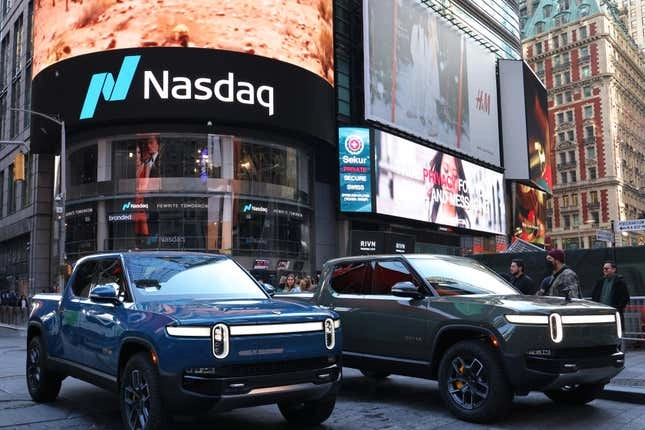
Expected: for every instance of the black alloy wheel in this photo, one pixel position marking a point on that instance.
(141, 404)
(472, 382)
(43, 384)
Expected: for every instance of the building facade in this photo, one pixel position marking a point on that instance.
(595, 77)
(235, 145)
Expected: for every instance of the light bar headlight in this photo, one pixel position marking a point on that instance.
(182, 331)
(555, 328)
(527, 319)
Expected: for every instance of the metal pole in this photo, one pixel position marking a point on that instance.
(63, 196)
(613, 241)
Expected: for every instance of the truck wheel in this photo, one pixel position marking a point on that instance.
(309, 413)
(576, 394)
(42, 383)
(472, 382)
(140, 395)
(374, 374)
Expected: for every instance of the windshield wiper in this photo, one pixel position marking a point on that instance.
(145, 283)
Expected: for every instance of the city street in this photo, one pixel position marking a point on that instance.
(394, 403)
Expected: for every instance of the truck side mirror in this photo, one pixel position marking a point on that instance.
(406, 289)
(105, 293)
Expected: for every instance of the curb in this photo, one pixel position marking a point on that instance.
(14, 330)
(620, 393)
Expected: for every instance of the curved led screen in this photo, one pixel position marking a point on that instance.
(295, 31)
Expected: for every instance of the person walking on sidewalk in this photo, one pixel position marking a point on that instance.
(611, 290)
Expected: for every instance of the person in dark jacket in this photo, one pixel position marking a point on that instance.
(611, 289)
(519, 279)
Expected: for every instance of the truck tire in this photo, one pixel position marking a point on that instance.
(576, 394)
(309, 413)
(472, 382)
(140, 395)
(42, 383)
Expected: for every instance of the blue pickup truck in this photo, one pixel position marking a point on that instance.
(182, 334)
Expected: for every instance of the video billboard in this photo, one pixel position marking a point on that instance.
(525, 125)
(425, 78)
(295, 31)
(529, 219)
(355, 169)
(417, 182)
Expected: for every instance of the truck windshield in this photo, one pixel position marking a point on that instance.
(190, 276)
(459, 276)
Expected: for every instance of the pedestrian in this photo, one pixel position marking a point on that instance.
(24, 306)
(291, 286)
(611, 289)
(565, 282)
(521, 280)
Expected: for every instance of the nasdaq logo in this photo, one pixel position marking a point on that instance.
(247, 208)
(112, 90)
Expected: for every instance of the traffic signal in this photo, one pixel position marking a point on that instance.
(19, 167)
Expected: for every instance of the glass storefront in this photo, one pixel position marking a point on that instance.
(232, 194)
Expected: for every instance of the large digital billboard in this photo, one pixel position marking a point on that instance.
(354, 161)
(525, 126)
(417, 182)
(425, 78)
(529, 214)
(295, 31)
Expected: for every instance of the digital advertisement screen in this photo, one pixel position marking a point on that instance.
(529, 214)
(417, 182)
(538, 132)
(295, 31)
(354, 169)
(423, 77)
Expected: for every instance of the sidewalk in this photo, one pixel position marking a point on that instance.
(627, 386)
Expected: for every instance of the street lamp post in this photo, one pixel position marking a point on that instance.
(63, 185)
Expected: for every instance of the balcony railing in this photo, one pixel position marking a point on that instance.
(567, 165)
(590, 140)
(561, 66)
(584, 58)
(593, 205)
(566, 144)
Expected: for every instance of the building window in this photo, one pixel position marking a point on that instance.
(564, 37)
(560, 117)
(17, 46)
(563, 157)
(14, 122)
(589, 131)
(591, 153)
(583, 29)
(539, 67)
(538, 45)
(539, 28)
(588, 111)
(586, 91)
(575, 218)
(558, 99)
(2, 204)
(571, 136)
(592, 173)
(567, 77)
(574, 177)
(568, 96)
(574, 199)
(596, 217)
(584, 53)
(572, 156)
(593, 196)
(547, 10)
(567, 222)
(4, 62)
(563, 177)
(569, 116)
(565, 201)
(556, 42)
(3, 109)
(585, 71)
(558, 80)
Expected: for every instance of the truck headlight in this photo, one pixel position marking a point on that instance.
(220, 340)
(330, 333)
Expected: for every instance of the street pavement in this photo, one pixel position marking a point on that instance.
(394, 403)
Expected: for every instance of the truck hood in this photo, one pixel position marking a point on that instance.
(236, 312)
(521, 304)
